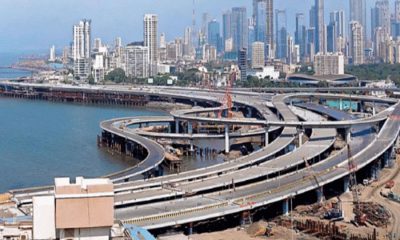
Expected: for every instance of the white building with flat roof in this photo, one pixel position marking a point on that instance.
(80, 210)
(329, 64)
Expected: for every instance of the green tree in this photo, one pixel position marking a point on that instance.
(117, 75)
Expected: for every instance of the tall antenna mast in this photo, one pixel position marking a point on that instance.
(194, 35)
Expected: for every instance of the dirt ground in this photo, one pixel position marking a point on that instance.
(278, 233)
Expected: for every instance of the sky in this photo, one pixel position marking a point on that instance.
(35, 25)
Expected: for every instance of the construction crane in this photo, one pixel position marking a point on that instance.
(359, 218)
(227, 102)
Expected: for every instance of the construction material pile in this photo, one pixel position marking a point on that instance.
(375, 214)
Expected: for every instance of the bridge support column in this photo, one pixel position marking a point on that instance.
(245, 218)
(266, 138)
(176, 126)
(386, 157)
(227, 147)
(190, 128)
(346, 185)
(249, 112)
(190, 229)
(375, 170)
(320, 195)
(373, 109)
(348, 134)
(169, 128)
(285, 207)
(300, 135)
(191, 146)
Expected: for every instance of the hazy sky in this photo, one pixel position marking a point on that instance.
(31, 25)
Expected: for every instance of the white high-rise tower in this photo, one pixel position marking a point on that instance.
(150, 31)
(81, 48)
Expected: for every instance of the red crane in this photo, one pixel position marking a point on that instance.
(227, 102)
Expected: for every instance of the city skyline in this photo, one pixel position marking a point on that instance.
(53, 27)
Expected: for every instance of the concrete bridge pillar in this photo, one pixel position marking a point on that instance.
(373, 109)
(375, 170)
(190, 128)
(249, 112)
(285, 207)
(227, 145)
(190, 229)
(348, 134)
(386, 157)
(300, 135)
(320, 194)
(191, 146)
(177, 126)
(266, 138)
(169, 128)
(346, 185)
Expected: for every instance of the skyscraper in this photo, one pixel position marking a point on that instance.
(319, 26)
(335, 31)
(150, 31)
(52, 56)
(261, 21)
(242, 63)
(300, 34)
(226, 28)
(81, 49)
(358, 12)
(239, 28)
(263, 15)
(380, 15)
(397, 11)
(214, 35)
(356, 43)
(281, 35)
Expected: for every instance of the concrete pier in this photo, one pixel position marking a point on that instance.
(285, 207)
(227, 145)
(346, 184)
(320, 195)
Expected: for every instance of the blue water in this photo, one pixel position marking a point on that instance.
(41, 140)
(7, 59)
(345, 105)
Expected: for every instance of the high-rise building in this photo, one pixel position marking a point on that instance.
(300, 34)
(270, 27)
(263, 15)
(319, 27)
(214, 35)
(239, 28)
(329, 64)
(137, 61)
(81, 49)
(163, 41)
(261, 21)
(188, 50)
(258, 55)
(358, 12)
(281, 35)
(226, 28)
(52, 56)
(150, 31)
(356, 43)
(380, 16)
(335, 31)
(397, 11)
(331, 37)
(242, 63)
(204, 25)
